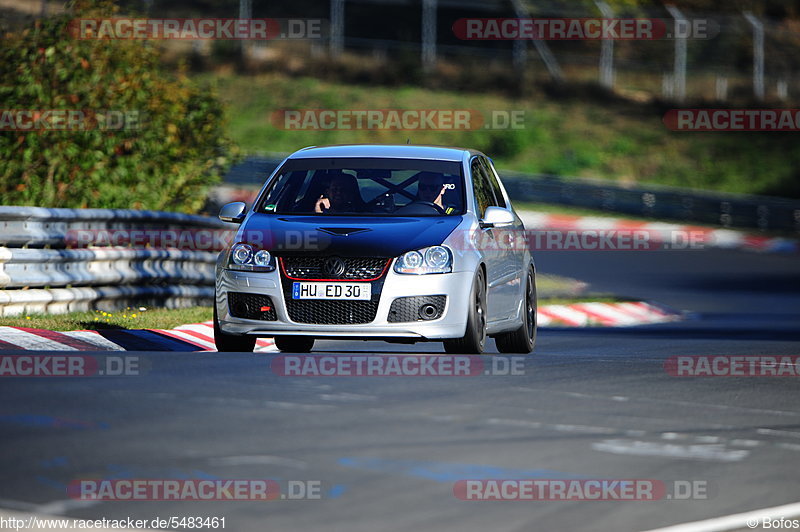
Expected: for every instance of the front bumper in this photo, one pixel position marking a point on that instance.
(452, 323)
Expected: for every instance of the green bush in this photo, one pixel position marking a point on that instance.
(168, 162)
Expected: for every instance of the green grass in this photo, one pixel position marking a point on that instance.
(581, 137)
(160, 318)
(551, 286)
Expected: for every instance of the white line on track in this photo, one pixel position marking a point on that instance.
(48, 508)
(259, 459)
(707, 452)
(560, 427)
(735, 521)
(773, 432)
(693, 404)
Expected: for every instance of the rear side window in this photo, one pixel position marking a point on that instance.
(495, 184)
(484, 195)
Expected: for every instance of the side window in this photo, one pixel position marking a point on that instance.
(498, 193)
(278, 189)
(484, 197)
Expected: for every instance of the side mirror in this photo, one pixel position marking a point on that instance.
(497, 217)
(233, 212)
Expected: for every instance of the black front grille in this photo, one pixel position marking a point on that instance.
(249, 306)
(314, 267)
(405, 309)
(329, 312)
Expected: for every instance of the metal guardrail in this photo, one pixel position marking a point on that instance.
(45, 266)
(62, 300)
(40, 227)
(28, 268)
(671, 203)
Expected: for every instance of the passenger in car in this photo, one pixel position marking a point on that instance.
(431, 188)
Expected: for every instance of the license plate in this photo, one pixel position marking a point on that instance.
(353, 291)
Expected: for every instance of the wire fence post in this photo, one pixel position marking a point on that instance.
(668, 86)
(679, 70)
(337, 27)
(606, 50)
(428, 35)
(245, 13)
(519, 54)
(782, 89)
(758, 55)
(541, 46)
(721, 88)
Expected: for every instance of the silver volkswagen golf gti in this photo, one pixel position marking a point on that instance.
(395, 243)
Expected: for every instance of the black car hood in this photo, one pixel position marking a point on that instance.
(345, 235)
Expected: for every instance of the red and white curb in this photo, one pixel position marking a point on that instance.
(625, 314)
(671, 234)
(200, 336)
(192, 337)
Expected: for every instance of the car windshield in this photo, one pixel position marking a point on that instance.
(366, 187)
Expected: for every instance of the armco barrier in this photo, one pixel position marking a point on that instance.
(44, 269)
(670, 203)
(40, 227)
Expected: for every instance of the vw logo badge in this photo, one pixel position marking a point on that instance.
(334, 266)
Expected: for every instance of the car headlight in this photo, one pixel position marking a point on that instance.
(435, 259)
(243, 257)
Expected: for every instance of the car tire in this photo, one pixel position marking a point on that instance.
(232, 343)
(294, 344)
(474, 339)
(523, 339)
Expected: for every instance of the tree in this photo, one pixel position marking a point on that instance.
(170, 149)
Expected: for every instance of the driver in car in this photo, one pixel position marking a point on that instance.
(430, 188)
(341, 195)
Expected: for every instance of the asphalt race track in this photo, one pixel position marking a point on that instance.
(387, 451)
